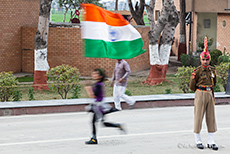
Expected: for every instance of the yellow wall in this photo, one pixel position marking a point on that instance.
(210, 32)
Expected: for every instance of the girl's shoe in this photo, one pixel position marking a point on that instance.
(91, 141)
(122, 129)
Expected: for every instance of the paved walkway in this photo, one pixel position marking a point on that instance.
(63, 102)
(74, 105)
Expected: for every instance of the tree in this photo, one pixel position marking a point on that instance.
(159, 51)
(150, 10)
(116, 5)
(137, 14)
(40, 44)
(95, 2)
(67, 4)
(182, 42)
(75, 4)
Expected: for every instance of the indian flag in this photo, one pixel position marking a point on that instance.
(109, 35)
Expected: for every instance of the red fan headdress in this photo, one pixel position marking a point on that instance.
(205, 54)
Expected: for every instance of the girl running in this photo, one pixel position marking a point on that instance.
(98, 107)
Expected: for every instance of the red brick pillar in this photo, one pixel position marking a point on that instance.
(40, 80)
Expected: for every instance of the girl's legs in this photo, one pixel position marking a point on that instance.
(109, 124)
(93, 140)
(115, 125)
(93, 126)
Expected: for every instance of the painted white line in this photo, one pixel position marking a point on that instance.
(101, 137)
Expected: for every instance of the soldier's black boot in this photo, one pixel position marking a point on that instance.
(213, 146)
(200, 146)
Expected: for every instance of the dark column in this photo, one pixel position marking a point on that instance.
(228, 82)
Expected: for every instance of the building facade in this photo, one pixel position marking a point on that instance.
(14, 15)
(19, 19)
(210, 18)
(18, 24)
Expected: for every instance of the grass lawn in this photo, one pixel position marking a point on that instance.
(25, 79)
(135, 86)
(146, 20)
(60, 17)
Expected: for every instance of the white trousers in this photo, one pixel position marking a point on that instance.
(118, 93)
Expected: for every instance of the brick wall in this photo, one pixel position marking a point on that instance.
(15, 14)
(64, 47)
(223, 33)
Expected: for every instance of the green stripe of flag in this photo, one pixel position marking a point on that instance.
(113, 50)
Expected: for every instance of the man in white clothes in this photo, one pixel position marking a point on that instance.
(120, 76)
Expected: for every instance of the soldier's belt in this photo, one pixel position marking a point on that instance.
(205, 88)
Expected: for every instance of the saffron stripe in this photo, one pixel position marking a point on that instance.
(98, 14)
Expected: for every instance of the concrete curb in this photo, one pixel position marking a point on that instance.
(76, 105)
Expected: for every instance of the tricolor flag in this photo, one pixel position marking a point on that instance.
(109, 35)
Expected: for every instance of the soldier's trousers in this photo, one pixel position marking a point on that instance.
(204, 103)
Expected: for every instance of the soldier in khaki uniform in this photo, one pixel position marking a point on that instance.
(202, 81)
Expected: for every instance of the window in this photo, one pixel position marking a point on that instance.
(224, 23)
(207, 23)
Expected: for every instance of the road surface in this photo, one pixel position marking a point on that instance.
(156, 130)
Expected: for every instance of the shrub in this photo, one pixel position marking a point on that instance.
(168, 91)
(7, 85)
(224, 59)
(200, 42)
(31, 94)
(127, 92)
(184, 74)
(217, 88)
(215, 54)
(17, 95)
(64, 78)
(184, 59)
(222, 74)
(76, 92)
(189, 60)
